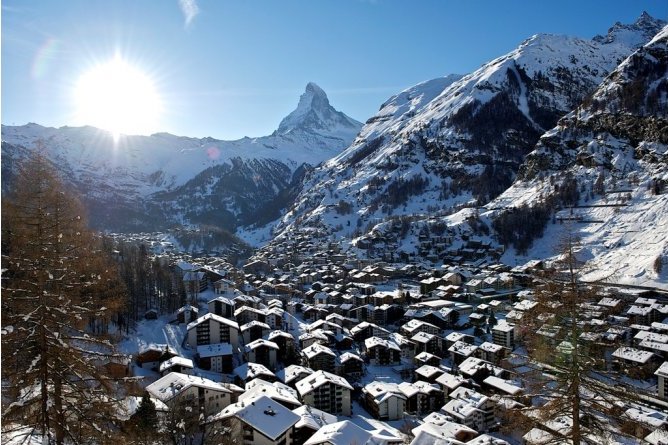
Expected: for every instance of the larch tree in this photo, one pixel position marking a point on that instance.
(576, 397)
(57, 373)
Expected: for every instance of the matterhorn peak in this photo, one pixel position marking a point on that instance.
(315, 114)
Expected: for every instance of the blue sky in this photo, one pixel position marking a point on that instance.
(229, 69)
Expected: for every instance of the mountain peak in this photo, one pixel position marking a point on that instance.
(633, 35)
(315, 114)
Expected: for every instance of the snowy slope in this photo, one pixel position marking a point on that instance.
(615, 146)
(139, 170)
(458, 141)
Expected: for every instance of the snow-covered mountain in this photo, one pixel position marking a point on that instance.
(606, 164)
(150, 182)
(459, 140)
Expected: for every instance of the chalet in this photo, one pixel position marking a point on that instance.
(422, 397)
(260, 419)
(246, 314)
(384, 401)
(426, 343)
(460, 351)
(425, 358)
(490, 352)
(175, 388)
(254, 330)
(407, 347)
(351, 365)
(222, 306)
(319, 357)
(382, 352)
(211, 329)
(503, 334)
(284, 340)
(154, 355)
(503, 387)
(263, 352)
(471, 408)
(414, 326)
(187, 314)
(216, 357)
(365, 330)
(478, 370)
(326, 391)
(310, 338)
(274, 318)
(257, 267)
(176, 364)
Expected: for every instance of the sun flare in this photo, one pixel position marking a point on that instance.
(117, 97)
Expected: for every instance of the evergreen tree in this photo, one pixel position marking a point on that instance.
(56, 285)
(146, 417)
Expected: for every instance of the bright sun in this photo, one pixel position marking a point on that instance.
(119, 98)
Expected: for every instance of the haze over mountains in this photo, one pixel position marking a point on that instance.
(459, 151)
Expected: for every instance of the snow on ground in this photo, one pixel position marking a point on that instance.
(155, 332)
(621, 243)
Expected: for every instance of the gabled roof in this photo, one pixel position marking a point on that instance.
(174, 383)
(263, 414)
(276, 391)
(290, 373)
(261, 342)
(213, 317)
(319, 378)
(313, 418)
(176, 361)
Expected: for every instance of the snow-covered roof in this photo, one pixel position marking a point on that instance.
(461, 348)
(503, 385)
(450, 381)
(316, 349)
(277, 391)
(383, 391)
(214, 350)
(176, 361)
(263, 414)
(313, 418)
(289, 373)
(261, 342)
(445, 429)
(632, 354)
(373, 342)
(252, 324)
(213, 317)
(251, 370)
(174, 383)
(340, 433)
(319, 378)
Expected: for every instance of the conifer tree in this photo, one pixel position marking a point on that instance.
(575, 397)
(56, 284)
